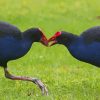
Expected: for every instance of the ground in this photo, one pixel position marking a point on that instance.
(65, 77)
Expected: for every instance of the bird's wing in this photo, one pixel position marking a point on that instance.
(91, 35)
(9, 30)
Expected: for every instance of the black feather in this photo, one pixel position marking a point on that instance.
(91, 35)
(9, 30)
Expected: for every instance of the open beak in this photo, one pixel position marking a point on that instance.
(52, 40)
(44, 40)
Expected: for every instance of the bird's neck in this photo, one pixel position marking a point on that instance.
(70, 40)
(27, 36)
(26, 44)
(77, 48)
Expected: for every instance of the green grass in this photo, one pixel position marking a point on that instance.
(65, 77)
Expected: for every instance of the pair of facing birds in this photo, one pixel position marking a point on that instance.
(15, 44)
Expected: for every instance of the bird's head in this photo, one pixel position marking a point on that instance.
(61, 37)
(36, 35)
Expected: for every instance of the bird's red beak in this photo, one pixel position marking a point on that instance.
(53, 39)
(44, 40)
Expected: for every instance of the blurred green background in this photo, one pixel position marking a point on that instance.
(65, 77)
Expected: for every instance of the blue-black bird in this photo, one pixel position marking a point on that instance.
(85, 47)
(15, 44)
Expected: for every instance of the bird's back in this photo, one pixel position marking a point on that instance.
(9, 30)
(91, 35)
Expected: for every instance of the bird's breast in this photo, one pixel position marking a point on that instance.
(11, 48)
(89, 53)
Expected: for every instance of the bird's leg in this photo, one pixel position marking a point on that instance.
(34, 80)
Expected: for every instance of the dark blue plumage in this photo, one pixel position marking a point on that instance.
(85, 47)
(15, 44)
(12, 48)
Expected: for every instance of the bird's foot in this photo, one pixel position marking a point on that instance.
(41, 86)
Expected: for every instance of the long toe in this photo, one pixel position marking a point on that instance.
(41, 86)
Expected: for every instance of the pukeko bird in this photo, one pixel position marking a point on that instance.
(15, 44)
(85, 47)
